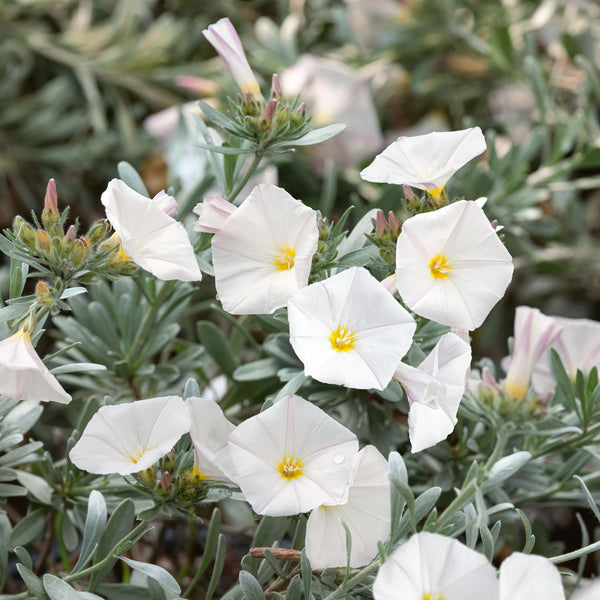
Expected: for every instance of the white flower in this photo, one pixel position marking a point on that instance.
(578, 346)
(149, 236)
(292, 458)
(127, 438)
(210, 432)
(435, 390)
(591, 592)
(534, 334)
(366, 512)
(212, 214)
(335, 93)
(451, 266)
(348, 330)
(23, 375)
(529, 577)
(263, 251)
(434, 567)
(225, 40)
(426, 161)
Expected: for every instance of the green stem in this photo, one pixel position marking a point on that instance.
(246, 177)
(120, 547)
(353, 582)
(575, 440)
(576, 553)
(463, 497)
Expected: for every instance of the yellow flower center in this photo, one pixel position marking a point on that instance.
(284, 259)
(440, 267)
(198, 473)
(290, 467)
(342, 339)
(137, 455)
(436, 193)
(432, 596)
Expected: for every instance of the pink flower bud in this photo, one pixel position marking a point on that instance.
(212, 213)
(51, 199)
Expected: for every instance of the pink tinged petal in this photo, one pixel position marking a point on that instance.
(225, 40)
(269, 222)
(435, 564)
(212, 214)
(366, 513)
(166, 203)
(210, 431)
(153, 240)
(128, 438)
(479, 266)
(354, 300)
(292, 427)
(426, 161)
(23, 375)
(529, 577)
(534, 334)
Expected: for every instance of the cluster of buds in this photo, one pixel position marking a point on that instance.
(265, 122)
(65, 253)
(386, 234)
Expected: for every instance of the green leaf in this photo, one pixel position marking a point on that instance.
(306, 573)
(224, 149)
(216, 345)
(217, 568)
(78, 368)
(132, 178)
(118, 526)
(314, 136)
(32, 582)
(95, 522)
(251, 589)
(28, 528)
(294, 590)
(259, 369)
(216, 117)
(58, 589)
(166, 581)
(74, 291)
(36, 486)
(505, 468)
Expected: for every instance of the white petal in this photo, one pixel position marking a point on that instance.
(426, 161)
(210, 432)
(479, 266)
(529, 577)
(591, 592)
(435, 564)
(353, 299)
(153, 239)
(292, 428)
(269, 221)
(127, 438)
(24, 376)
(366, 513)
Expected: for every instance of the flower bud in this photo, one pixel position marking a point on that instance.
(275, 87)
(165, 481)
(98, 230)
(380, 224)
(50, 214)
(44, 294)
(394, 225)
(413, 204)
(24, 231)
(70, 235)
(42, 241)
(298, 117)
(266, 119)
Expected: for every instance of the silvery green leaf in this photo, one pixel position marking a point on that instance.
(74, 291)
(32, 582)
(250, 587)
(28, 528)
(161, 576)
(24, 416)
(95, 522)
(132, 178)
(77, 368)
(315, 136)
(58, 589)
(504, 468)
(36, 486)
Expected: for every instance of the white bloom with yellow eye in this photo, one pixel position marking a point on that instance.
(451, 266)
(291, 458)
(263, 251)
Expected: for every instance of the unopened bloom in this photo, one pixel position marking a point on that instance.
(426, 161)
(263, 252)
(348, 330)
(166, 203)
(212, 214)
(292, 458)
(451, 266)
(435, 389)
(578, 346)
(210, 432)
(366, 512)
(534, 334)
(23, 375)
(127, 438)
(225, 40)
(148, 235)
(335, 93)
(435, 567)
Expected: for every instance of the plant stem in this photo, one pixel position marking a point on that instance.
(244, 180)
(456, 504)
(576, 553)
(352, 582)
